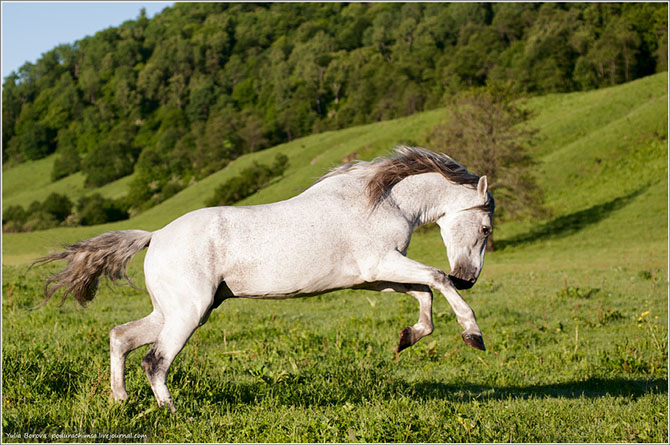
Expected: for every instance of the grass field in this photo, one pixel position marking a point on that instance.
(573, 310)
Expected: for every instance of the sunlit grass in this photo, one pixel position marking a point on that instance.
(573, 309)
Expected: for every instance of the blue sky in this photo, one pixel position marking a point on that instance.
(32, 28)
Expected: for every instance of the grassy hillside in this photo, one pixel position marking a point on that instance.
(31, 181)
(309, 158)
(573, 310)
(596, 147)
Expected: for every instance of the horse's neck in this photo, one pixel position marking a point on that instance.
(426, 197)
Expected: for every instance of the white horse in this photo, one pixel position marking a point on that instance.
(351, 229)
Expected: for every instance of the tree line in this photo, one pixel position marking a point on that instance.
(58, 210)
(177, 97)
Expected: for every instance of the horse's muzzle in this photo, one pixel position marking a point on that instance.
(462, 284)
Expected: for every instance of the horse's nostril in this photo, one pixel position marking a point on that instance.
(460, 283)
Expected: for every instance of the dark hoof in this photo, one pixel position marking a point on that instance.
(474, 340)
(405, 339)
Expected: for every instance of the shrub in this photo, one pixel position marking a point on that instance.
(158, 176)
(56, 209)
(248, 182)
(16, 214)
(170, 189)
(13, 218)
(40, 220)
(39, 215)
(95, 209)
(59, 206)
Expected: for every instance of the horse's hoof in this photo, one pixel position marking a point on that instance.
(120, 396)
(168, 407)
(405, 339)
(474, 340)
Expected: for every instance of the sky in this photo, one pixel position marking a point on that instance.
(31, 28)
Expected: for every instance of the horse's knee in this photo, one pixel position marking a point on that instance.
(440, 279)
(117, 339)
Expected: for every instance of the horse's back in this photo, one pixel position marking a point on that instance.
(308, 244)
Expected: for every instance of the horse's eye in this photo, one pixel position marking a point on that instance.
(486, 230)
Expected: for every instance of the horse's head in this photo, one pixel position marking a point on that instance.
(465, 233)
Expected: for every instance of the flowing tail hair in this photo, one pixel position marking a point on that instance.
(107, 254)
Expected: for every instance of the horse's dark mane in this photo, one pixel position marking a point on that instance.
(385, 172)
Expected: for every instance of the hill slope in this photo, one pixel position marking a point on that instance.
(601, 152)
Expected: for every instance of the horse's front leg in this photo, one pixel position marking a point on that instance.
(423, 294)
(400, 269)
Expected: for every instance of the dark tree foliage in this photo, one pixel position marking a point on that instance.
(203, 83)
(14, 216)
(68, 161)
(248, 182)
(58, 210)
(55, 209)
(35, 140)
(57, 205)
(107, 162)
(95, 209)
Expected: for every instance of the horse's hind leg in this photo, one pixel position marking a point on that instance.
(423, 327)
(125, 338)
(162, 353)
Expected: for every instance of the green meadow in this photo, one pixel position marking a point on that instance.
(573, 307)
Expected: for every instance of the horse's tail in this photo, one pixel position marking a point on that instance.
(107, 254)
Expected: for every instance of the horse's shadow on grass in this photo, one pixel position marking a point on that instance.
(569, 224)
(301, 393)
(591, 388)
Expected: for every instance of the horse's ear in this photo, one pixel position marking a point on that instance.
(482, 186)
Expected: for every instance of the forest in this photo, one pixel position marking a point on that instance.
(175, 98)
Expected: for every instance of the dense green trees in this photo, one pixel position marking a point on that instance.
(177, 97)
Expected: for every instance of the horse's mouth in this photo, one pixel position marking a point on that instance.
(462, 284)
